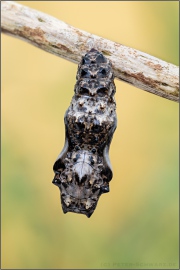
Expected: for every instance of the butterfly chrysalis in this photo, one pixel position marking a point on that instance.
(83, 169)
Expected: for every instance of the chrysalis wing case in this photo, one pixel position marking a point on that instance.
(83, 169)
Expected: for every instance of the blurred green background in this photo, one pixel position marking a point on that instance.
(135, 225)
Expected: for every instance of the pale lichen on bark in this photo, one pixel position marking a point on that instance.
(52, 35)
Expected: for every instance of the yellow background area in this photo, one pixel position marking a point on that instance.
(135, 225)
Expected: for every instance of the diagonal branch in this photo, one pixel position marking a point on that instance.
(52, 35)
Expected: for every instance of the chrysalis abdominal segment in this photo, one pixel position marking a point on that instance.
(83, 169)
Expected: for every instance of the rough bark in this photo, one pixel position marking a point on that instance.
(52, 35)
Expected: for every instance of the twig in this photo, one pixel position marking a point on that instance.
(52, 35)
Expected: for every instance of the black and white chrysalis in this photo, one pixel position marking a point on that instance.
(83, 170)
